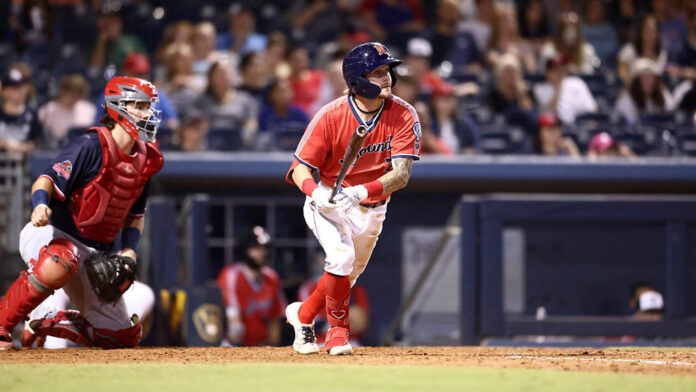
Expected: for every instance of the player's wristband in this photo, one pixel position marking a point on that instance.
(308, 186)
(39, 196)
(130, 238)
(374, 188)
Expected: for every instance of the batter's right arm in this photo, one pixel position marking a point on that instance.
(41, 193)
(302, 177)
(398, 177)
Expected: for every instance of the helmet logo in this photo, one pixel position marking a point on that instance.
(380, 49)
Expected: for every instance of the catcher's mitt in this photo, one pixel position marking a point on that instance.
(110, 275)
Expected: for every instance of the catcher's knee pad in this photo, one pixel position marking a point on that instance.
(340, 259)
(57, 263)
(123, 338)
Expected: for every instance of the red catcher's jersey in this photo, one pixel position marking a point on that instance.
(259, 301)
(394, 131)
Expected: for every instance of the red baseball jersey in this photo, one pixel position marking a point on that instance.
(259, 301)
(394, 131)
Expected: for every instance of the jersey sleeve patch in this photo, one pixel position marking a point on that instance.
(63, 169)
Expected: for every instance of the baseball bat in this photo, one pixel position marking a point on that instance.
(356, 142)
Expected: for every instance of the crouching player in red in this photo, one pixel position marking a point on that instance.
(348, 229)
(96, 188)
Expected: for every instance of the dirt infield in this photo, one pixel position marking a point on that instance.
(657, 362)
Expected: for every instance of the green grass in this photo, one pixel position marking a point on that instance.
(324, 378)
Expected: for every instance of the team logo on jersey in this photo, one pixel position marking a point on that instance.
(417, 131)
(371, 149)
(63, 169)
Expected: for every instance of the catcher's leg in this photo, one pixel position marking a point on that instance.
(56, 264)
(71, 325)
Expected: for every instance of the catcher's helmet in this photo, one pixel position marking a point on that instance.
(121, 90)
(363, 59)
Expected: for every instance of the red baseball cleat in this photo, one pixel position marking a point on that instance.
(337, 341)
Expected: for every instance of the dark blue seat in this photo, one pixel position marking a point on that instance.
(686, 141)
(287, 140)
(642, 140)
(224, 139)
(503, 139)
(165, 138)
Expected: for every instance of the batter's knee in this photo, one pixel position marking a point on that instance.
(339, 261)
(57, 263)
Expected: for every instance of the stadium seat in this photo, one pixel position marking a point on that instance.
(224, 139)
(287, 140)
(497, 139)
(165, 138)
(686, 141)
(642, 140)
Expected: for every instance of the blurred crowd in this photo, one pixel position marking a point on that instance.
(551, 77)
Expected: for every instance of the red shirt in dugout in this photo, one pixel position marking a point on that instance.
(393, 132)
(259, 300)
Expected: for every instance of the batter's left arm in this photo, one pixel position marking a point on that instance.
(398, 177)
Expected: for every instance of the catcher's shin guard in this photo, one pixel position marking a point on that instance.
(56, 264)
(23, 296)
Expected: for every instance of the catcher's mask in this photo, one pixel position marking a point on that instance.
(132, 103)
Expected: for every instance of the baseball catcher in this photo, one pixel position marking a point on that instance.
(95, 190)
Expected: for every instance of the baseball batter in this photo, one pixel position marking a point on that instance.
(95, 189)
(348, 228)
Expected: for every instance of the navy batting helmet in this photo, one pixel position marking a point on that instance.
(363, 59)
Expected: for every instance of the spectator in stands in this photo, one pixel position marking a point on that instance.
(112, 46)
(281, 124)
(204, 53)
(137, 65)
(306, 82)
(432, 144)
(69, 110)
(673, 30)
(359, 311)
(646, 302)
(252, 294)
(533, 22)
(180, 84)
(395, 21)
(228, 108)
(645, 93)
(565, 95)
(190, 136)
(550, 141)
(687, 57)
(458, 48)
(480, 26)
(274, 56)
(254, 79)
(19, 125)
(685, 93)
(646, 43)
(334, 85)
(458, 131)
(417, 63)
(30, 22)
(241, 38)
(623, 15)
(569, 42)
(604, 145)
(315, 22)
(599, 33)
(180, 32)
(407, 88)
(505, 38)
(511, 91)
